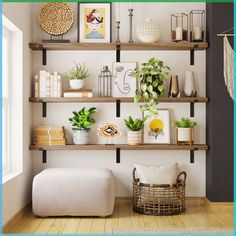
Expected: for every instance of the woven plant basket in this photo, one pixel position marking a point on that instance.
(151, 199)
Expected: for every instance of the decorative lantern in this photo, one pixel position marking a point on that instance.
(105, 83)
(179, 27)
(197, 26)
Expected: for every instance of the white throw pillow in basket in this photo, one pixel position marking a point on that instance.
(157, 174)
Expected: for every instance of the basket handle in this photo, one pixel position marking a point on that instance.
(178, 179)
(134, 178)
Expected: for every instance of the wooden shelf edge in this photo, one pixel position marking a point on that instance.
(123, 46)
(122, 147)
(114, 99)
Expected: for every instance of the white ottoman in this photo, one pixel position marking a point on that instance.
(73, 192)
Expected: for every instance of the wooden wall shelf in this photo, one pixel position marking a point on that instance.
(114, 99)
(122, 46)
(122, 147)
(119, 147)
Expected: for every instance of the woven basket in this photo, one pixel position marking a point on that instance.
(152, 199)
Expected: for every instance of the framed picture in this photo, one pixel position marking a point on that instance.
(157, 128)
(124, 84)
(94, 22)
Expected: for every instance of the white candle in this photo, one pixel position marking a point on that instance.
(197, 33)
(130, 5)
(118, 12)
(179, 33)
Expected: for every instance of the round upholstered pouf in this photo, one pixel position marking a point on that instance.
(149, 32)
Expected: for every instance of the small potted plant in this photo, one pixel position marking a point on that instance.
(77, 76)
(80, 125)
(151, 76)
(134, 135)
(184, 131)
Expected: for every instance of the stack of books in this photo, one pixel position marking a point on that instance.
(80, 93)
(49, 135)
(47, 85)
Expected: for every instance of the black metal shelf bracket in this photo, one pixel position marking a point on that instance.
(44, 111)
(44, 155)
(192, 57)
(192, 155)
(191, 109)
(117, 155)
(118, 108)
(44, 52)
(117, 53)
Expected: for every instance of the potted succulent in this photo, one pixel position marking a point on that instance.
(184, 131)
(80, 125)
(151, 77)
(77, 76)
(134, 135)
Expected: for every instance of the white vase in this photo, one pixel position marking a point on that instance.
(134, 137)
(81, 137)
(76, 83)
(149, 32)
(185, 135)
(189, 85)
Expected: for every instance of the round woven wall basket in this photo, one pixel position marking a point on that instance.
(56, 18)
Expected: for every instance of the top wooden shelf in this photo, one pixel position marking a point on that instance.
(122, 46)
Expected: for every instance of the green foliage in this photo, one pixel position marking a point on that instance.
(150, 108)
(134, 125)
(82, 120)
(151, 77)
(78, 72)
(185, 123)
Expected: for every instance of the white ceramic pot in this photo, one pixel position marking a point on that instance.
(189, 85)
(76, 83)
(134, 137)
(149, 32)
(185, 134)
(81, 137)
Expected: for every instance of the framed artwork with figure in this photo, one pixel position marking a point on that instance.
(124, 83)
(94, 22)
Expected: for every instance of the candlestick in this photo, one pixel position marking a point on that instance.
(118, 12)
(179, 33)
(130, 25)
(118, 32)
(197, 33)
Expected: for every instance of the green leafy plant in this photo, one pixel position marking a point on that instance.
(134, 125)
(185, 123)
(78, 72)
(151, 77)
(82, 120)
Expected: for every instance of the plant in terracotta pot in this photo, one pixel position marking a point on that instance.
(134, 135)
(81, 122)
(184, 130)
(151, 77)
(77, 76)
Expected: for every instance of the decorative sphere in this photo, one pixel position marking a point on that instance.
(149, 32)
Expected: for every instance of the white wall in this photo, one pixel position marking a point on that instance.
(177, 60)
(17, 192)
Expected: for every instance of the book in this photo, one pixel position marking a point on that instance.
(53, 136)
(47, 84)
(36, 86)
(78, 90)
(42, 83)
(59, 86)
(78, 94)
(51, 85)
(52, 142)
(51, 127)
(55, 75)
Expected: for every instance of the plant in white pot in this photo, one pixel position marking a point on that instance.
(184, 131)
(77, 76)
(134, 135)
(81, 122)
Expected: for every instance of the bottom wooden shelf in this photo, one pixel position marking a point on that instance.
(121, 147)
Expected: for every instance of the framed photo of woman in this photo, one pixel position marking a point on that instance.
(94, 22)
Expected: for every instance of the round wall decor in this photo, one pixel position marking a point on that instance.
(56, 18)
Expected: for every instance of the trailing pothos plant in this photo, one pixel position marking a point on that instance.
(151, 77)
(82, 120)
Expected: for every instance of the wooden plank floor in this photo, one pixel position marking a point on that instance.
(123, 217)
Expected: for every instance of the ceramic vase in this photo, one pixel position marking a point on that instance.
(134, 137)
(189, 85)
(184, 136)
(76, 83)
(174, 86)
(149, 32)
(81, 137)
